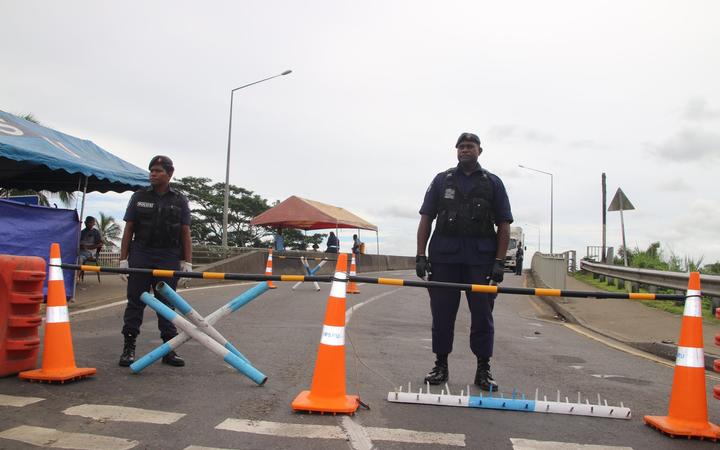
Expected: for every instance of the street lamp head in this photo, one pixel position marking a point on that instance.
(286, 72)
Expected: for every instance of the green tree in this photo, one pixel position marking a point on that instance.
(297, 240)
(110, 230)
(206, 200)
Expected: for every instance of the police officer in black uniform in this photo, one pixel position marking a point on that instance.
(468, 246)
(156, 236)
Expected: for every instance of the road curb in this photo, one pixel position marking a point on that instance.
(663, 350)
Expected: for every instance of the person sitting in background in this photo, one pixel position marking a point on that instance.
(90, 240)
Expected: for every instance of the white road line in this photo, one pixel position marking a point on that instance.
(123, 414)
(359, 439)
(335, 432)
(51, 438)
(529, 444)
(282, 429)
(12, 400)
(416, 437)
(197, 447)
(124, 302)
(352, 309)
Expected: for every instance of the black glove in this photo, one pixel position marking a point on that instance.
(422, 266)
(498, 271)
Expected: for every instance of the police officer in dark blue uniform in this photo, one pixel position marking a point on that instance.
(157, 235)
(468, 246)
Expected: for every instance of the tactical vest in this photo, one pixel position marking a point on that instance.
(470, 214)
(155, 226)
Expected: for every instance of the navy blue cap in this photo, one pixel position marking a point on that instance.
(470, 137)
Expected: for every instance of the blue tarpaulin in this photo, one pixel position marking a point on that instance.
(39, 158)
(28, 230)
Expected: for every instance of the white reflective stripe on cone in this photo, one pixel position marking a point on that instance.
(333, 335)
(690, 357)
(692, 304)
(56, 314)
(55, 271)
(338, 287)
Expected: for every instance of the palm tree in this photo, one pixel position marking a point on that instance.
(109, 229)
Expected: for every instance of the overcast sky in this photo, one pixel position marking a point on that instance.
(379, 93)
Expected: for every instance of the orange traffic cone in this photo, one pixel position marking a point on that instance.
(352, 286)
(327, 393)
(688, 413)
(58, 363)
(268, 269)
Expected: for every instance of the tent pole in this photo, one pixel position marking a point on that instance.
(77, 251)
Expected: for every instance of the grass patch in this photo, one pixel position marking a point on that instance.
(665, 305)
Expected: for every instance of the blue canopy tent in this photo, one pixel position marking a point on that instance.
(36, 157)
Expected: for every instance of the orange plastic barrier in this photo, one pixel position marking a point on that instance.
(58, 357)
(327, 393)
(688, 411)
(21, 293)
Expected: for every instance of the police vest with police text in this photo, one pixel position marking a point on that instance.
(156, 226)
(470, 214)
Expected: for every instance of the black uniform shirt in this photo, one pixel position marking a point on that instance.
(163, 200)
(465, 250)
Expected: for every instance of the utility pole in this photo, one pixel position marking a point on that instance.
(603, 257)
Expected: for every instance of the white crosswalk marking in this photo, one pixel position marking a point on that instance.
(529, 444)
(12, 400)
(123, 414)
(51, 438)
(335, 432)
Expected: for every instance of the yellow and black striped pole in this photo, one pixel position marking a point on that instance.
(482, 288)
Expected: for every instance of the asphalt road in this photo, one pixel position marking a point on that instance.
(388, 345)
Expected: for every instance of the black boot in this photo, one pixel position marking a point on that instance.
(128, 354)
(172, 358)
(483, 377)
(439, 374)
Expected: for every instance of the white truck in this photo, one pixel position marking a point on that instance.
(516, 235)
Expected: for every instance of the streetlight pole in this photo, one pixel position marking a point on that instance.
(227, 163)
(551, 201)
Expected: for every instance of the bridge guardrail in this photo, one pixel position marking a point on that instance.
(659, 278)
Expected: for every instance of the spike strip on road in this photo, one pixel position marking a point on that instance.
(227, 356)
(514, 403)
(230, 307)
(482, 288)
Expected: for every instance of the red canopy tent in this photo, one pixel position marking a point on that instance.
(304, 214)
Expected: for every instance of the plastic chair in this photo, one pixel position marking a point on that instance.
(91, 261)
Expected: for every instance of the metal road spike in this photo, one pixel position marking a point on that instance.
(447, 388)
(544, 398)
(468, 391)
(428, 386)
(606, 402)
(523, 396)
(462, 393)
(442, 392)
(587, 401)
(400, 389)
(409, 388)
(567, 400)
(501, 395)
(599, 401)
(536, 394)
(558, 396)
(621, 405)
(513, 394)
(579, 399)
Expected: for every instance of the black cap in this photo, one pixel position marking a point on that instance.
(164, 161)
(468, 137)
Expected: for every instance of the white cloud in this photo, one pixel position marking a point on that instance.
(689, 145)
(697, 110)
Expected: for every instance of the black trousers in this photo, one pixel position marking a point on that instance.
(444, 305)
(139, 283)
(518, 266)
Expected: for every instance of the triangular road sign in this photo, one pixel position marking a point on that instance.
(620, 202)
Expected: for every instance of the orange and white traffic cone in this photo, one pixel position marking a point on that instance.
(327, 393)
(688, 412)
(58, 363)
(268, 269)
(352, 286)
